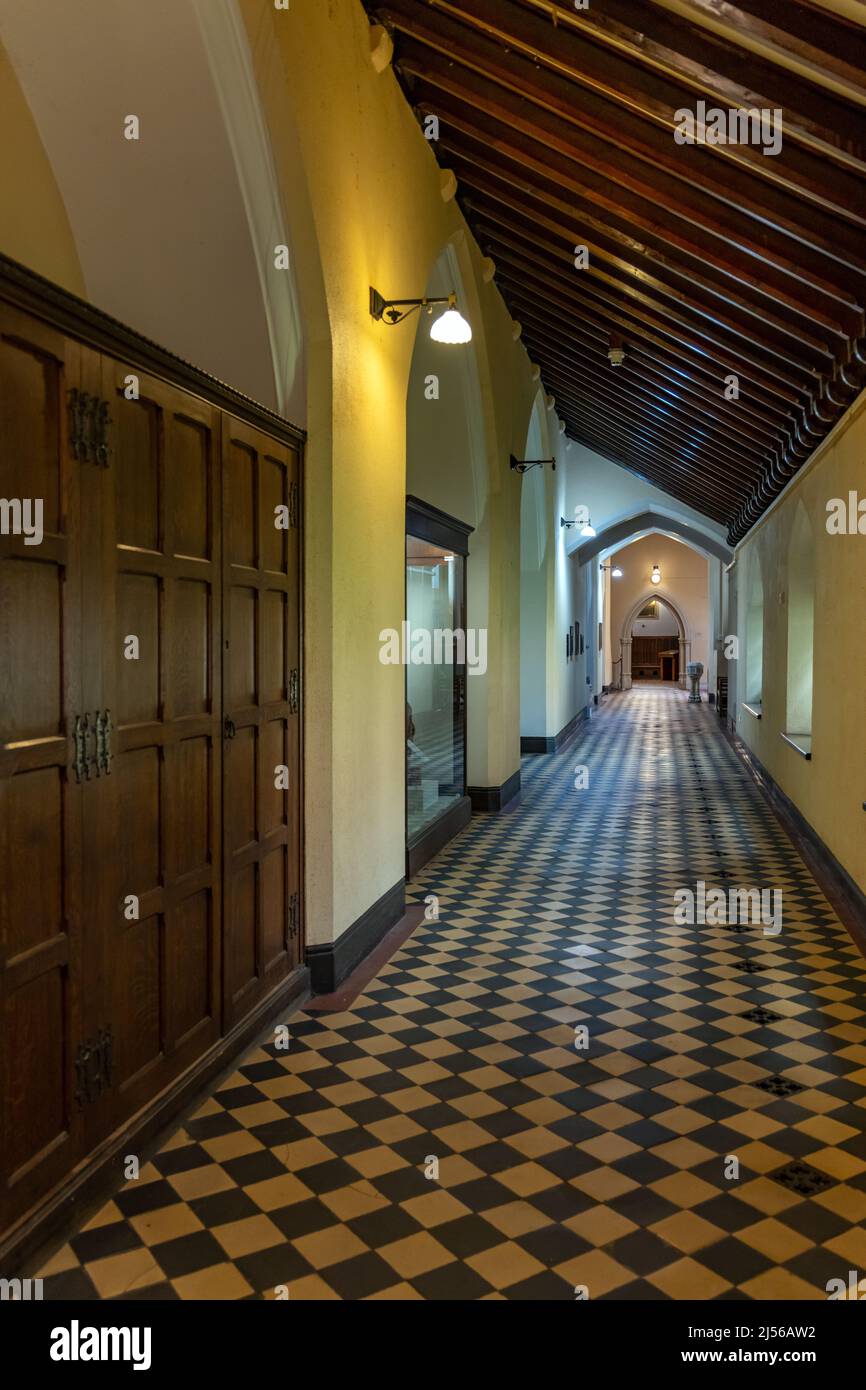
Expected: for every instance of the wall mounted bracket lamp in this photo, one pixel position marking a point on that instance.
(450, 327)
(586, 527)
(615, 571)
(524, 465)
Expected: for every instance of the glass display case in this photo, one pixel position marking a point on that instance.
(434, 642)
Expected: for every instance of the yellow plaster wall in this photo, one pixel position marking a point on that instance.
(34, 229)
(371, 197)
(830, 790)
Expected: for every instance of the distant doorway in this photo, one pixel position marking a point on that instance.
(654, 642)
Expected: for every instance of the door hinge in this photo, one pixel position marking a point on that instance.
(80, 736)
(293, 691)
(104, 754)
(93, 1067)
(294, 915)
(89, 421)
(293, 504)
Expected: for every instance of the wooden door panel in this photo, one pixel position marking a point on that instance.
(161, 831)
(261, 660)
(40, 798)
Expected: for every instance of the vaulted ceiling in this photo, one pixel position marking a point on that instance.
(706, 260)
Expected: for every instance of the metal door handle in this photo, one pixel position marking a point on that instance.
(229, 728)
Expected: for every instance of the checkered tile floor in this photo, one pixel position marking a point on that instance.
(313, 1172)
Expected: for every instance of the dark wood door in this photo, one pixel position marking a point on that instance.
(157, 836)
(41, 797)
(261, 764)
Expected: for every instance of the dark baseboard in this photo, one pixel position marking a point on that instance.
(330, 964)
(553, 744)
(80, 1195)
(842, 892)
(438, 835)
(489, 800)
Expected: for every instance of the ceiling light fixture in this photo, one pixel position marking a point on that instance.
(450, 327)
(616, 351)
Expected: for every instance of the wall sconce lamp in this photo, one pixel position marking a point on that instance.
(450, 327)
(586, 530)
(615, 571)
(524, 465)
(656, 576)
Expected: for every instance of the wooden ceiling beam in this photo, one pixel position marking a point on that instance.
(533, 309)
(634, 325)
(503, 245)
(621, 131)
(634, 257)
(833, 247)
(638, 210)
(654, 97)
(653, 247)
(576, 358)
(502, 234)
(657, 475)
(725, 334)
(704, 63)
(831, 48)
(702, 455)
(560, 378)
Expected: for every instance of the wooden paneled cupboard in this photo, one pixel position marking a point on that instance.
(150, 745)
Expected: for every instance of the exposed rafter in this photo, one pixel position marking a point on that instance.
(708, 261)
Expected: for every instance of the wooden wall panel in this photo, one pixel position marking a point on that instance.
(119, 967)
(261, 660)
(40, 798)
(161, 801)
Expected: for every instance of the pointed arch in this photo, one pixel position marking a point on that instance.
(754, 654)
(685, 636)
(533, 582)
(801, 625)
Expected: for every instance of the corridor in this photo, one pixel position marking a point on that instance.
(449, 1135)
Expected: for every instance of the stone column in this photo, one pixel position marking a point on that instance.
(626, 663)
(685, 658)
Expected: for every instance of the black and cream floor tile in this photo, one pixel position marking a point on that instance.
(444, 1138)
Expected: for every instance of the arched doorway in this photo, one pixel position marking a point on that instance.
(446, 591)
(680, 641)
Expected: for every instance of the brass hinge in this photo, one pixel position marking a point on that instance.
(93, 1066)
(294, 915)
(294, 697)
(89, 421)
(80, 735)
(104, 754)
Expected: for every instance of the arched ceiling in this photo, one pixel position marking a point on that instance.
(646, 523)
(707, 260)
(162, 225)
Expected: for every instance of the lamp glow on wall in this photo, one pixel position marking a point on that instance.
(656, 575)
(450, 327)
